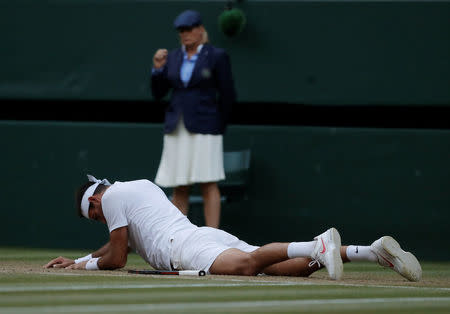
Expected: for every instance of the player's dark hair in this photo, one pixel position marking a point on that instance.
(80, 192)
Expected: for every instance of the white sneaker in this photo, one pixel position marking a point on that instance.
(327, 252)
(390, 254)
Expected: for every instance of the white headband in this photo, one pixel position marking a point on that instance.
(89, 192)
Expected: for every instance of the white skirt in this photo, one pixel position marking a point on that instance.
(189, 158)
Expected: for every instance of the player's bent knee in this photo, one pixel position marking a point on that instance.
(246, 266)
(234, 262)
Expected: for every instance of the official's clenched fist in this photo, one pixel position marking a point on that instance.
(160, 58)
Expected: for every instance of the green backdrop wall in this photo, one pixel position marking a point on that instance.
(313, 52)
(365, 182)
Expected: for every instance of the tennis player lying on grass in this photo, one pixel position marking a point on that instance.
(140, 216)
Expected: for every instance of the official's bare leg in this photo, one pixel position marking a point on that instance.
(180, 198)
(211, 203)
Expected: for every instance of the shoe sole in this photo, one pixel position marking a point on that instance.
(336, 273)
(405, 263)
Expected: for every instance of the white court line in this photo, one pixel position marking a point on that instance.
(130, 286)
(265, 282)
(218, 305)
(336, 283)
(248, 282)
(236, 283)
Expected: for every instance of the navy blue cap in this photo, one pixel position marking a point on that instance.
(188, 18)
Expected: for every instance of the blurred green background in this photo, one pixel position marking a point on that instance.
(365, 181)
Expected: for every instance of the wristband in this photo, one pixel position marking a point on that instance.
(84, 258)
(92, 264)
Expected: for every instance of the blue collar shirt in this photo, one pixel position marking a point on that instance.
(187, 67)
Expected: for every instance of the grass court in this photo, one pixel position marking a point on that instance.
(25, 287)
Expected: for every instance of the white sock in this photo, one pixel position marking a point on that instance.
(300, 249)
(360, 253)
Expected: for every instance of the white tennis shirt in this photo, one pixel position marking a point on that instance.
(152, 219)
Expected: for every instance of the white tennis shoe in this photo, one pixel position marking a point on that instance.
(327, 251)
(390, 254)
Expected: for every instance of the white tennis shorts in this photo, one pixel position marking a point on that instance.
(200, 249)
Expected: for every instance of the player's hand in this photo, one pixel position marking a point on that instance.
(160, 58)
(81, 265)
(60, 262)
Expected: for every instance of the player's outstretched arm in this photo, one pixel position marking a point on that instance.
(63, 262)
(101, 251)
(114, 253)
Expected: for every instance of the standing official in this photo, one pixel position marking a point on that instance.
(200, 78)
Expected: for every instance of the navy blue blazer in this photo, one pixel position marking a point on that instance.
(207, 100)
